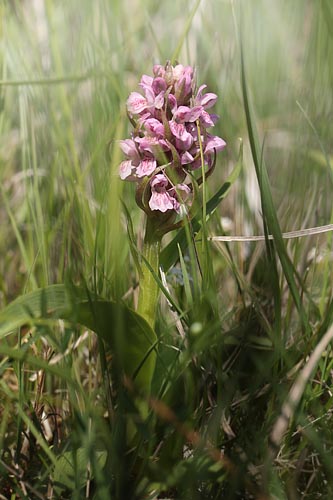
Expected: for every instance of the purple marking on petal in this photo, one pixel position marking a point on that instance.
(186, 114)
(177, 129)
(181, 114)
(154, 126)
(161, 201)
(159, 182)
(136, 103)
(147, 143)
(184, 139)
(146, 167)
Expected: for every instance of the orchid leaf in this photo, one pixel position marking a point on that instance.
(125, 332)
(69, 473)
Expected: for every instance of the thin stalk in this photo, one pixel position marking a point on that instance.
(149, 288)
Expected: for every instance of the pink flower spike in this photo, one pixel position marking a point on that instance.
(125, 169)
(136, 103)
(146, 167)
(214, 143)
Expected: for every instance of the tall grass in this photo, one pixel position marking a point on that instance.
(241, 399)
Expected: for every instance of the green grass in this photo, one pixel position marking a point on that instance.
(240, 326)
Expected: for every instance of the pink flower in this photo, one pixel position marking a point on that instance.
(208, 120)
(159, 70)
(207, 100)
(136, 103)
(159, 85)
(151, 144)
(160, 198)
(129, 148)
(214, 143)
(125, 169)
(186, 114)
(154, 126)
(146, 167)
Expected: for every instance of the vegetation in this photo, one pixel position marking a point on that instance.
(238, 364)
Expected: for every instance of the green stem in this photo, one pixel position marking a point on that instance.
(149, 288)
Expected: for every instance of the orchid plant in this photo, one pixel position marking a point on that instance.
(169, 142)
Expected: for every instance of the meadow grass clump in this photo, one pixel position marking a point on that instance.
(197, 366)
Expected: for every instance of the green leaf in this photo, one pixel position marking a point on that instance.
(125, 332)
(71, 472)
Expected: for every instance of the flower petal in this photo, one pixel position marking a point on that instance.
(161, 201)
(206, 119)
(159, 85)
(208, 100)
(136, 103)
(128, 146)
(214, 143)
(125, 169)
(186, 114)
(146, 167)
(159, 183)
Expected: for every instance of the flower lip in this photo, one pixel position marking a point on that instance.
(136, 103)
(125, 169)
(146, 167)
